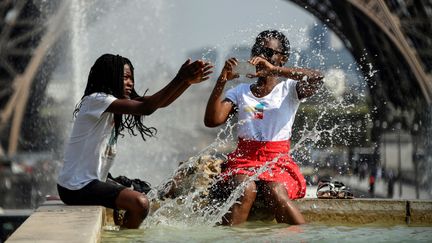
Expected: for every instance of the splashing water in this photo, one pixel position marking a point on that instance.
(194, 206)
(79, 45)
(189, 210)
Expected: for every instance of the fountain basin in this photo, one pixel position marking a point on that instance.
(363, 211)
(56, 222)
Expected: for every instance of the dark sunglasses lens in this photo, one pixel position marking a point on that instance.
(267, 52)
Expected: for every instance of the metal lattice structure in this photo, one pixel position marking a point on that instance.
(27, 34)
(392, 36)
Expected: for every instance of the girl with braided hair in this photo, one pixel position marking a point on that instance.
(266, 110)
(109, 106)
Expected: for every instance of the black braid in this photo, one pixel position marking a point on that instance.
(106, 76)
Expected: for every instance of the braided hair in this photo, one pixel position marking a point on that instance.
(106, 76)
(257, 48)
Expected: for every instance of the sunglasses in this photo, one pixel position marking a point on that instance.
(269, 53)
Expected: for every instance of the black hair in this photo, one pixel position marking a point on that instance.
(257, 48)
(106, 76)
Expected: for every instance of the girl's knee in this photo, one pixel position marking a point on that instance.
(250, 192)
(240, 179)
(277, 189)
(142, 205)
(251, 188)
(277, 194)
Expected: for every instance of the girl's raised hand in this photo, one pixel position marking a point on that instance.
(228, 70)
(194, 72)
(264, 67)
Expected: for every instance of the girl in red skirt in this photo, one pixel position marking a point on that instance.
(266, 110)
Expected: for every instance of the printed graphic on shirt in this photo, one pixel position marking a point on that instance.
(110, 150)
(258, 110)
(258, 136)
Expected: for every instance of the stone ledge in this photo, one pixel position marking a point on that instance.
(362, 211)
(56, 222)
(420, 212)
(61, 223)
(354, 211)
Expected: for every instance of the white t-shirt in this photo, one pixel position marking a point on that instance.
(91, 148)
(269, 118)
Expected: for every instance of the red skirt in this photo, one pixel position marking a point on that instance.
(250, 156)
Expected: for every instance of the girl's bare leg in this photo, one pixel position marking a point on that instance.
(284, 209)
(136, 205)
(240, 211)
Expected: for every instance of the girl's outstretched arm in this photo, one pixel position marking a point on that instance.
(185, 73)
(218, 110)
(309, 80)
(189, 73)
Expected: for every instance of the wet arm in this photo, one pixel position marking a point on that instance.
(309, 80)
(146, 105)
(189, 73)
(167, 95)
(218, 109)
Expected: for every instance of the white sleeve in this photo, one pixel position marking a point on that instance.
(292, 90)
(231, 94)
(98, 103)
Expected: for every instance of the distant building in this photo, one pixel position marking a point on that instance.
(242, 53)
